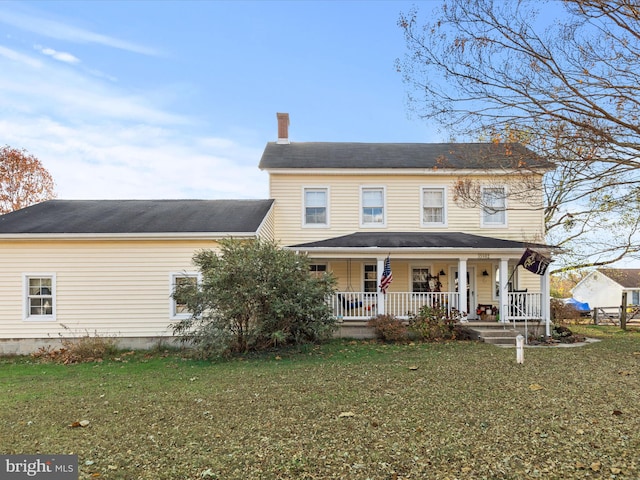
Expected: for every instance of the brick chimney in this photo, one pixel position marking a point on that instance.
(283, 128)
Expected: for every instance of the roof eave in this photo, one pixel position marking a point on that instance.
(400, 251)
(126, 236)
(400, 171)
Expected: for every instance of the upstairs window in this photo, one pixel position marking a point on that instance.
(373, 206)
(433, 206)
(315, 207)
(494, 210)
(40, 297)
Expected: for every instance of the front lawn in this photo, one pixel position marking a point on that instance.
(353, 410)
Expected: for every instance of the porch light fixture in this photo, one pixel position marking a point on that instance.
(485, 273)
(442, 273)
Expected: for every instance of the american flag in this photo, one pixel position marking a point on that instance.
(387, 276)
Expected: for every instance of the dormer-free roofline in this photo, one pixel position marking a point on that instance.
(136, 218)
(285, 154)
(433, 156)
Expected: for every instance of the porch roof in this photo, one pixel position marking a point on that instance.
(436, 240)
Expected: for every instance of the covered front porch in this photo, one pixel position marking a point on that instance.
(477, 278)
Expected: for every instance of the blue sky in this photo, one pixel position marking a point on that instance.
(176, 99)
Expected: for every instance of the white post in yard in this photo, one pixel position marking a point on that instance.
(520, 349)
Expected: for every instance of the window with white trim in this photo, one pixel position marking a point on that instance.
(316, 202)
(494, 206)
(317, 269)
(370, 283)
(420, 280)
(179, 281)
(433, 206)
(372, 199)
(40, 298)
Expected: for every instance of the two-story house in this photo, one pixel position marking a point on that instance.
(109, 267)
(349, 206)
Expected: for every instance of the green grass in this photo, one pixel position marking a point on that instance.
(467, 411)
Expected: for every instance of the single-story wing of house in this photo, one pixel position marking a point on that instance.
(108, 267)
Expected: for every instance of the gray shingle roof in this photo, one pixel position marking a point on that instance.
(399, 155)
(137, 216)
(415, 240)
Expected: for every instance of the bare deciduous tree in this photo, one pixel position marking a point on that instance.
(23, 180)
(567, 85)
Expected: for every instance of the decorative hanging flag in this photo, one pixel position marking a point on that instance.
(534, 262)
(387, 276)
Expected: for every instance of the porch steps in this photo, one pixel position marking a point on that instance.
(496, 336)
(354, 329)
(497, 333)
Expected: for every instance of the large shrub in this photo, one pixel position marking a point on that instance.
(253, 296)
(388, 328)
(432, 324)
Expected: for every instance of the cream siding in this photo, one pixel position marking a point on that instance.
(266, 230)
(403, 212)
(119, 288)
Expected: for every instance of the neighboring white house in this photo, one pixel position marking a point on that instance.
(604, 286)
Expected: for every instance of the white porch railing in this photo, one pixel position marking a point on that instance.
(405, 304)
(354, 305)
(523, 306)
(364, 305)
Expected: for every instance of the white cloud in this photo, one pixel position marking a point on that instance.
(111, 161)
(99, 74)
(19, 57)
(59, 91)
(60, 56)
(62, 31)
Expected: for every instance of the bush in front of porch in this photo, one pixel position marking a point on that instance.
(430, 324)
(435, 324)
(389, 328)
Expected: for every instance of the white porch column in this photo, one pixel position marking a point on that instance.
(379, 270)
(503, 282)
(545, 301)
(462, 287)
